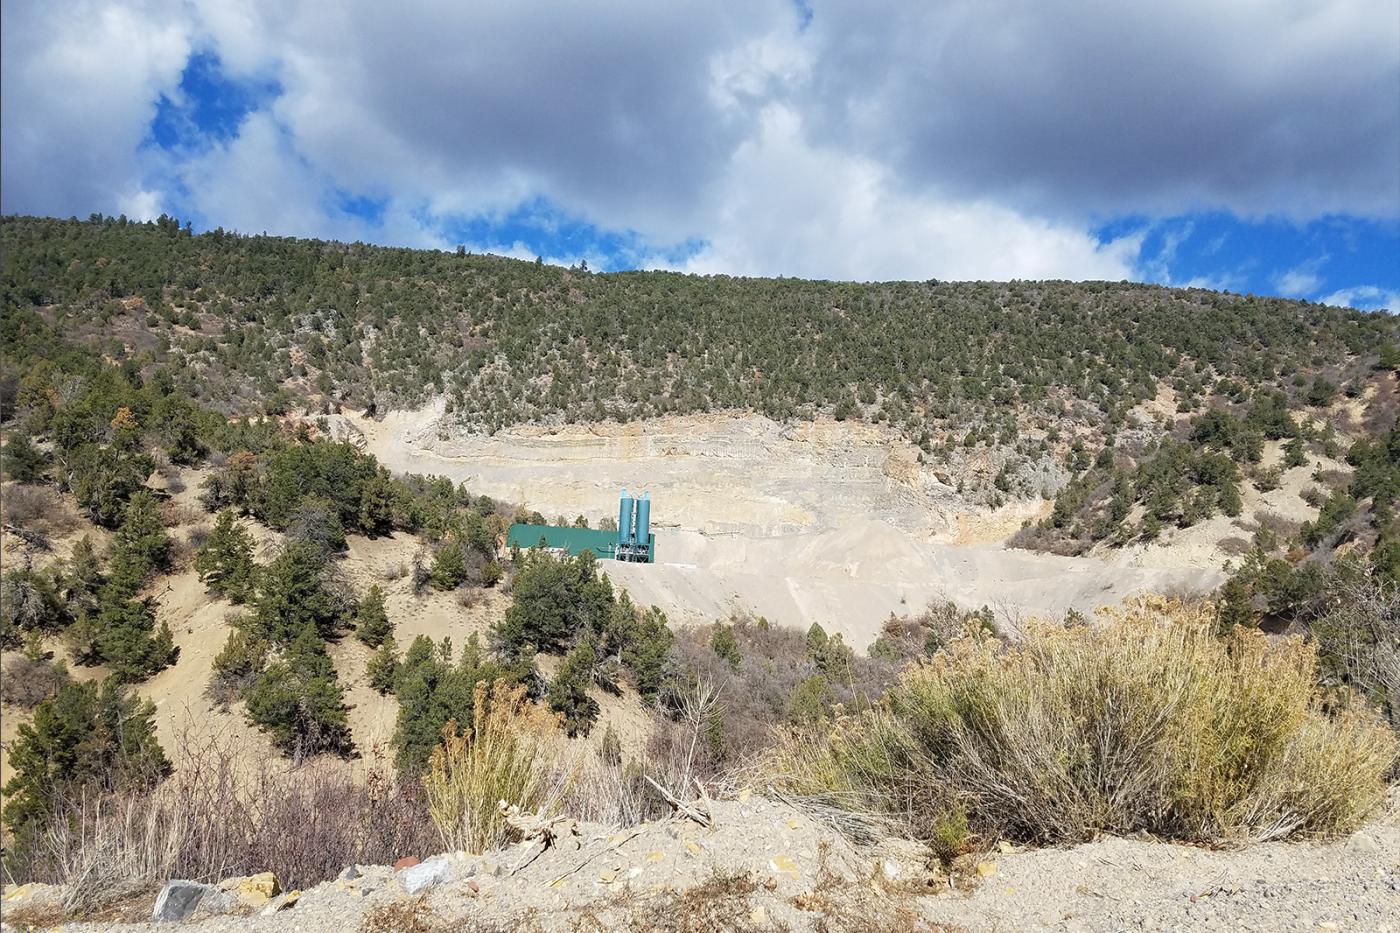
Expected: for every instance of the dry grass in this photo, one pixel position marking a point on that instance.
(1146, 721)
(510, 754)
(213, 820)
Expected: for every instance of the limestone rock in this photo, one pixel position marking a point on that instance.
(425, 874)
(282, 902)
(257, 890)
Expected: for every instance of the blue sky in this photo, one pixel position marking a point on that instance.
(1254, 148)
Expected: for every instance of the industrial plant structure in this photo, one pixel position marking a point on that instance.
(633, 541)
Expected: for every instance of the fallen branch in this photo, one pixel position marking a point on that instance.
(687, 810)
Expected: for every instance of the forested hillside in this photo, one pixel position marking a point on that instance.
(260, 323)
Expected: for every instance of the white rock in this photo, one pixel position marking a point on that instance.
(425, 874)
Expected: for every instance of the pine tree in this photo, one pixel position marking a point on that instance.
(449, 565)
(291, 595)
(299, 702)
(90, 735)
(382, 669)
(225, 561)
(372, 625)
(377, 500)
(568, 691)
(128, 639)
(141, 546)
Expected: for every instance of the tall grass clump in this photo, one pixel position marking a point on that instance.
(1146, 720)
(510, 754)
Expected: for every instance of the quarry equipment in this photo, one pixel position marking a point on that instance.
(634, 538)
(633, 541)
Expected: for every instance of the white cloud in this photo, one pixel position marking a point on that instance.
(787, 207)
(79, 84)
(1301, 281)
(949, 139)
(1365, 298)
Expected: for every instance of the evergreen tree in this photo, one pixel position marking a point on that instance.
(377, 503)
(568, 691)
(128, 639)
(449, 565)
(372, 625)
(141, 546)
(555, 601)
(225, 560)
(298, 701)
(22, 461)
(292, 595)
(382, 668)
(88, 736)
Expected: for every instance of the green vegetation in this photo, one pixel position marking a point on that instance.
(1173, 730)
(90, 737)
(248, 323)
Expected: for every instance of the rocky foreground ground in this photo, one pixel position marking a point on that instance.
(767, 866)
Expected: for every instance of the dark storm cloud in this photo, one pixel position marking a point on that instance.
(1286, 108)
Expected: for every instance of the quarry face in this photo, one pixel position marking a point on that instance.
(830, 522)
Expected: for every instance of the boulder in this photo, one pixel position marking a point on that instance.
(257, 890)
(178, 899)
(282, 902)
(425, 874)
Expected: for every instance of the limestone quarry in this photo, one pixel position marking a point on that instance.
(829, 522)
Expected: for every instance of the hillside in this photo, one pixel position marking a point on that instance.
(254, 497)
(511, 342)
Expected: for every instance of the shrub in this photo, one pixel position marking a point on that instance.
(30, 681)
(726, 646)
(507, 755)
(218, 816)
(1146, 721)
(89, 736)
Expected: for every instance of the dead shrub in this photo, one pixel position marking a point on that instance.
(1235, 547)
(509, 753)
(1173, 730)
(213, 819)
(28, 682)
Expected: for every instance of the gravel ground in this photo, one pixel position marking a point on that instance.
(767, 866)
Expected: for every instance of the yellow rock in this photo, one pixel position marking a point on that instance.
(744, 795)
(784, 865)
(759, 915)
(284, 902)
(257, 890)
(986, 869)
(24, 891)
(655, 855)
(794, 823)
(693, 848)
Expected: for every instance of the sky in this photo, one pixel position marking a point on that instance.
(1252, 145)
